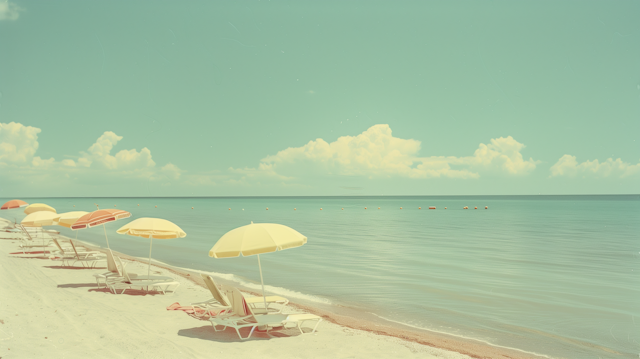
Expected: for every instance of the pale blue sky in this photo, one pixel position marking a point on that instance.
(212, 89)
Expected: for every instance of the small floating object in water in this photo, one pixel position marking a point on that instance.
(343, 208)
(475, 207)
(445, 207)
(267, 208)
(432, 207)
(114, 205)
(486, 207)
(243, 209)
(400, 207)
(419, 207)
(230, 208)
(365, 207)
(74, 205)
(138, 205)
(465, 207)
(321, 209)
(295, 209)
(378, 207)
(191, 207)
(156, 206)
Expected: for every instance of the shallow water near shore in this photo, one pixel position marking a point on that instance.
(554, 275)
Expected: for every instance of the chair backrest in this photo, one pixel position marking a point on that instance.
(55, 241)
(238, 304)
(24, 230)
(111, 263)
(215, 292)
(74, 249)
(123, 272)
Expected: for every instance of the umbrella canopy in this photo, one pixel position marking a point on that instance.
(257, 238)
(99, 217)
(39, 219)
(37, 207)
(14, 203)
(68, 219)
(152, 228)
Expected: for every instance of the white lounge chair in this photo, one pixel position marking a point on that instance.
(256, 303)
(89, 260)
(161, 283)
(244, 317)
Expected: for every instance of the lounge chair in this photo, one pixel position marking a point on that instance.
(244, 317)
(66, 254)
(256, 303)
(89, 260)
(161, 283)
(219, 304)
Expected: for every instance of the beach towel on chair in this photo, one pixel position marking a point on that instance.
(198, 313)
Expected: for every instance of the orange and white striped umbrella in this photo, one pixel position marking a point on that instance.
(14, 203)
(100, 217)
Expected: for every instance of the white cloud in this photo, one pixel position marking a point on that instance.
(18, 143)
(9, 10)
(100, 154)
(377, 153)
(172, 171)
(568, 166)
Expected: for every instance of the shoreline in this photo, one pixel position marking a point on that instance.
(467, 346)
(450, 345)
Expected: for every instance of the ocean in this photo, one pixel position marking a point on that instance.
(553, 275)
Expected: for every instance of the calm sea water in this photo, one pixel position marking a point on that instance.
(555, 275)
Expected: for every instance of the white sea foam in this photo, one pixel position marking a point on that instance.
(460, 336)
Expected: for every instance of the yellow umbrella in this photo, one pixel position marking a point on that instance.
(38, 207)
(67, 219)
(152, 228)
(257, 238)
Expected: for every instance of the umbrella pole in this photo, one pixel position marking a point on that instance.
(264, 299)
(105, 235)
(149, 270)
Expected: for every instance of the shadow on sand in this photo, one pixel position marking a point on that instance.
(229, 335)
(61, 267)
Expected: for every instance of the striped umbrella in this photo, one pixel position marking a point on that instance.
(100, 217)
(14, 203)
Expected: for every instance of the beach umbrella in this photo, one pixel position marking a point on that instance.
(257, 238)
(100, 217)
(38, 207)
(152, 228)
(14, 203)
(67, 219)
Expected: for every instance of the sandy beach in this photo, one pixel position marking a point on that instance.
(51, 311)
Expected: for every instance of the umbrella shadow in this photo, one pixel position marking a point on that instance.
(230, 335)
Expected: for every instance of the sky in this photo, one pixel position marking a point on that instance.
(297, 98)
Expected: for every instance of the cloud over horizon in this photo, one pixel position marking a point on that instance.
(19, 143)
(568, 166)
(377, 153)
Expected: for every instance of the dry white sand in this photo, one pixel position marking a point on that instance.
(47, 311)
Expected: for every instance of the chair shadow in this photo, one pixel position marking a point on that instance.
(61, 267)
(131, 292)
(230, 335)
(77, 285)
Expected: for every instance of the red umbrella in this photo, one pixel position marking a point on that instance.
(14, 203)
(100, 217)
